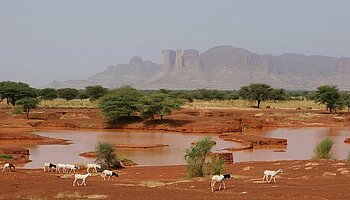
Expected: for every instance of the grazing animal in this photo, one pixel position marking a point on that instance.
(272, 174)
(81, 177)
(94, 166)
(72, 168)
(9, 166)
(59, 166)
(219, 179)
(109, 174)
(49, 167)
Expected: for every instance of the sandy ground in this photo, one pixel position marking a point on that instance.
(299, 180)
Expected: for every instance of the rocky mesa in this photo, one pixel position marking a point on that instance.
(222, 67)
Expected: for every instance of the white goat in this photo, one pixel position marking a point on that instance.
(59, 166)
(49, 167)
(72, 168)
(109, 174)
(80, 177)
(219, 179)
(9, 166)
(272, 174)
(94, 166)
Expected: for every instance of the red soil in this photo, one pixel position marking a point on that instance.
(299, 180)
(307, 180)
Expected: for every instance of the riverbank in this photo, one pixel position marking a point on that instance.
(243, 125)
(307, 179)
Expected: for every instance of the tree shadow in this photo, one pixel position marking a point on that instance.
(169, 122)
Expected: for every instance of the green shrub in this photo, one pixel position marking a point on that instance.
(323, 149)
(196, 157)
(17, 110)
(217, 165)
(348, 158)
(106, 156)
(6, 156)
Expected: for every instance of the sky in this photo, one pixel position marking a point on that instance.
(45, 40)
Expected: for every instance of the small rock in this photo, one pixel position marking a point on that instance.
(258, 114)
(296, 168)
(277, 163)
(308, 168)
(344, 172)
(341, 169)
(243, 193)
(192, 186)
(329, 174)
(311, 164)
(338, 164)
(248, 168)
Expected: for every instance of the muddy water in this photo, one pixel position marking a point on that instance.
(301, 143)
(84, 141)
(300, 146)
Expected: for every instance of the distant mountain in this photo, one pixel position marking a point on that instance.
(222, 67)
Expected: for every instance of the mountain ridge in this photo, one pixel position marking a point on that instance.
(222, 67)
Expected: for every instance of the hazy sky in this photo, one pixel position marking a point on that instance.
(41, 41)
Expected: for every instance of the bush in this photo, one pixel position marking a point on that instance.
(323, 149)
(196, 157)
(217, 165)
(106, 156)
(348, 158)
(17, 110)
(6, 156)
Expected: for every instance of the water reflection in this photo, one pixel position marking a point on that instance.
(301, 143)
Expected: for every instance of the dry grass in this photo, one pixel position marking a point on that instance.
(229, 104)
(3, 105)
(67, 195)
(151, 183)
(61, 103)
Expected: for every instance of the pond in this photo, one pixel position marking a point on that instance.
(301, 142)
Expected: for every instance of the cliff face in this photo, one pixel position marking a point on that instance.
(224, 67)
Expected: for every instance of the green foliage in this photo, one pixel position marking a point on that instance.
(123, 101)
(6, 156)
(82, 94)
(28, 103)
(17, 110)
(348, 158)
(330, 96)
(68, 93)
(13, 91)
(106, 156)
(278, 94)
(196, 155)
(158, 104)
(48, 93)
(256, 91)
(95, 92)
(346, 100)
(217, 165)
(323, 149)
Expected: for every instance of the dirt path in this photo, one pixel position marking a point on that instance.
(299, 180)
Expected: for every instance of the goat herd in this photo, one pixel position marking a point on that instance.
(68, 168)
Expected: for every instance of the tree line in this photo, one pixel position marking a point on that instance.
(127, 101)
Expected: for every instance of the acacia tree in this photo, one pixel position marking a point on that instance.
(28, 103)
(13, 91)
(95, 92)
(330, 96)
(68, 93)
(158, 104)
(256, 91)
(48, 93)
(346, 100)
(277, 94)
(123, 101)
